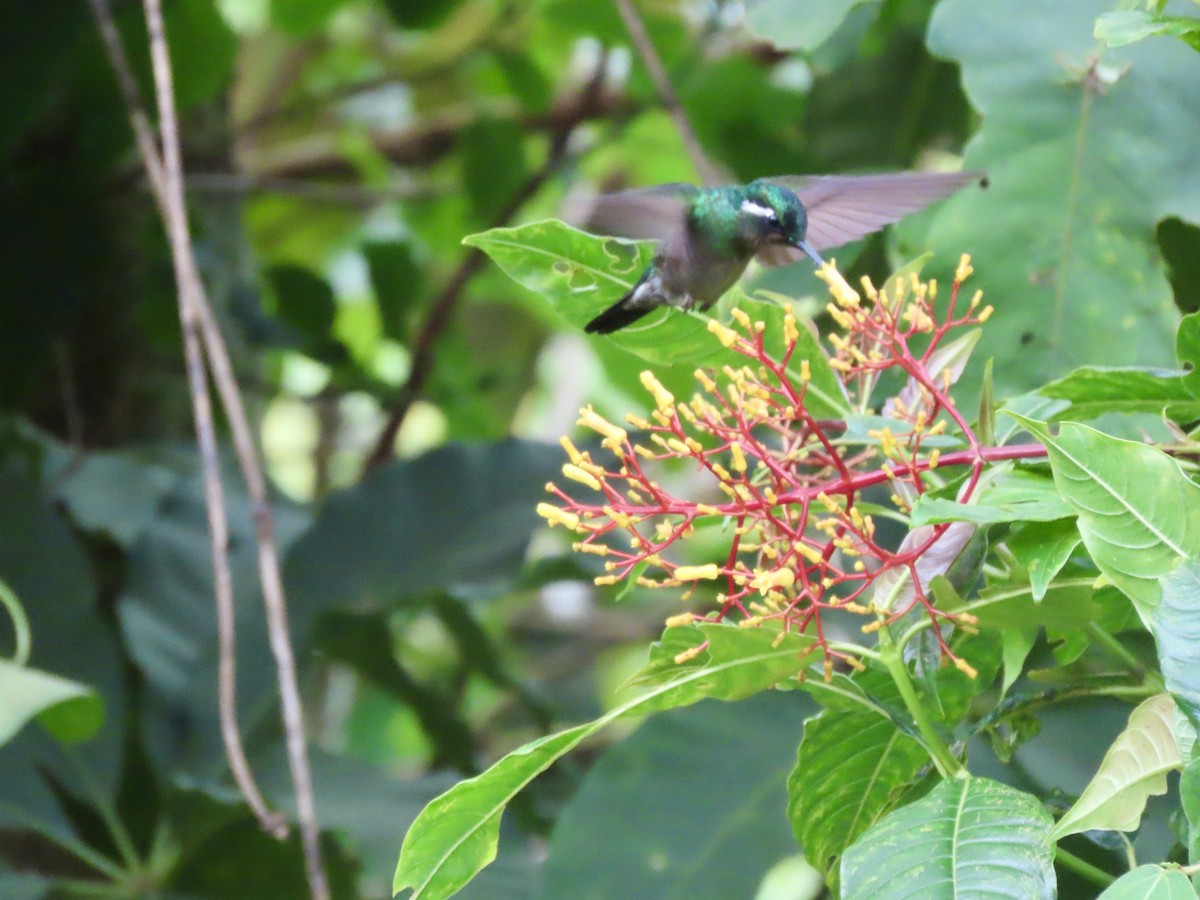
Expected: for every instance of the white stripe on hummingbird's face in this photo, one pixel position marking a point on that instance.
(757, 209)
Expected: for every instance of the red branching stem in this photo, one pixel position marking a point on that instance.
(792, 482)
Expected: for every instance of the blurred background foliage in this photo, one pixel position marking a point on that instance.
(337, 153)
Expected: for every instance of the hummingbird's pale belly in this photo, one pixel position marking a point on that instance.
(699, 284)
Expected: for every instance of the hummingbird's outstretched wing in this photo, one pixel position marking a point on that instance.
(652, 213)
(844, 208)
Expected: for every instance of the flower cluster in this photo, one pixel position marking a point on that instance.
(787, 482)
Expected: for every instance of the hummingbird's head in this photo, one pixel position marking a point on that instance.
(773, 214)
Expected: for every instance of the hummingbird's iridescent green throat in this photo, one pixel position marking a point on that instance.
(707, 236)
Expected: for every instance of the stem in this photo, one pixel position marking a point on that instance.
(666, 91)
(893, 660)
(1082, 868)
(1121, 652)
(75, 847)
(108, 813)
(23, 644)
(854, 650)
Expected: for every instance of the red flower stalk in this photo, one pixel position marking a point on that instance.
(791, 482)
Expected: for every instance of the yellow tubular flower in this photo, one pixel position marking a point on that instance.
(589, 418)
(556, 516)
(663, 398)
(697, 573)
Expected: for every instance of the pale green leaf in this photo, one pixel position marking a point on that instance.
(1150, 883)
(1137, 508)
(1126, 26)
(456, 835)
(1134, 769)
(68, 710)
(969, 837)
(1175, 624)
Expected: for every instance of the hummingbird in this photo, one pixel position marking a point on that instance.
(707, 236)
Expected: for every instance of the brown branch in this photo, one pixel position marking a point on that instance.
(320, 156)
(666, 92)
(201, 335)
(444, 304)
(205, 429)
(331, 192)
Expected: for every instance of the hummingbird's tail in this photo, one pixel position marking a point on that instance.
(616, 317)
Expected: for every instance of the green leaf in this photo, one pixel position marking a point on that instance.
(397, 281)
(1175, 624)
(970, 837)
(115, 494)
(1017, 496)
(1043, 548)
(661, 836)
(1095, 391)
(493, 164)
(851, 767)
(306, 305)
(456, 835)
(1017, 641)
(1133, 770)
(1136, 506)
(582, 274)
(1066, 604)
(1187, 351)
(68, 710)
(1189, 801)
(1128, 25)
(797, 24)
(1063, 239)
(1150, 883)
(461, 514)
(363, 643)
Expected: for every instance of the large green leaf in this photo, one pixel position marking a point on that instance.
(1134, 769)
(662, 836)
(456, 835)
(970, 837)
(1086, 149)
(1137, 508)
(460, 514)
(1095, 391)
(166, 613)
(1150, 883)
(797, 24)
(1175, 624)
(581, 274)
(851, 766)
